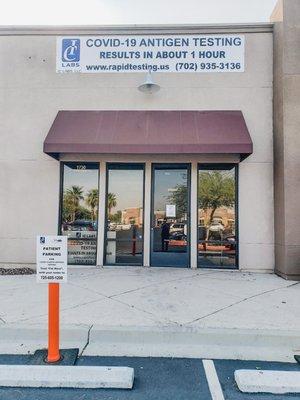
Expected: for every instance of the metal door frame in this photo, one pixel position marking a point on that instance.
(186, 166)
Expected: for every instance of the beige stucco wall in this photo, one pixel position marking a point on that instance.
(287, 141)
(31, 93)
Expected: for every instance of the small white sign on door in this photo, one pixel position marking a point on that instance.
(170, 210)
(51, 259)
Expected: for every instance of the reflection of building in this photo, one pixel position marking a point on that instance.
(133, 215)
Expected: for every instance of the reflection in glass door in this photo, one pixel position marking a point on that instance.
(217, 222)
(170, 227)
(79, 211)
(124, 214)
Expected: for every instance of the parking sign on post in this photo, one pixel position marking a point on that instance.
(51, 260)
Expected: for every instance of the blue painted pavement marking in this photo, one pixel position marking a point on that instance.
(155, 379)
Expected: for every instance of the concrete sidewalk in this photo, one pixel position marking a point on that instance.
(158, 311)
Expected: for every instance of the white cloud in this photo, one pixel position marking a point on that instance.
(110, 12)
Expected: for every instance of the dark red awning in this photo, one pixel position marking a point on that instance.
(149, 132)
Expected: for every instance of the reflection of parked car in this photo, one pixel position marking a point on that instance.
(177, 227)
(123, 227)
(216, 226)
(80, 229)
(113, 226)
(82, 225)
(230, 239)
(215, 230)
(177, 236)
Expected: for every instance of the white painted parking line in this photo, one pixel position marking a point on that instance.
(213, 380)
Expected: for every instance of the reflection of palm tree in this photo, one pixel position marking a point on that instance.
(111, 201)
(75, 194)
(92, 201)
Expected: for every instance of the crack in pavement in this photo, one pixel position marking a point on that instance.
(156, 318)
(142, 287)
(153, 315)
(239, 302)
(62, 309)
(87, 341)
(159, 283)
(130, 306)
(91, 302)
(144, 311)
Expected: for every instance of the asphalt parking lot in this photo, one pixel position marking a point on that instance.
(155, 378)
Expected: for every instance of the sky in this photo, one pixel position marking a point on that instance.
(123, 12)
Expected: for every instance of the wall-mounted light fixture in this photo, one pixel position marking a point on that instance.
(149, 86)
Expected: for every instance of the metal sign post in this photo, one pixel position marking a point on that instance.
(52, 269)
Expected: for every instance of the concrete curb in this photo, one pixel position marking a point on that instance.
(163, 341)
(275, 382)
(195, 342)
(20, 339)
(66, 376)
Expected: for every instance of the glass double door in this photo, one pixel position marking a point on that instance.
(170, 221)
(170, 216)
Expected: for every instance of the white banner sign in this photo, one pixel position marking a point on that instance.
(165, 53)
(51, 259)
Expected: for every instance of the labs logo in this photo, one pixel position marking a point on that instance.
(70, 50)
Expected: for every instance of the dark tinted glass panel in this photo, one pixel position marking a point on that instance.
(170, 216)
(80, 211)
(125, 215)
(217, 243)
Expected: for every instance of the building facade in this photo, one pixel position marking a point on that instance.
(182, 177)
(287, 138)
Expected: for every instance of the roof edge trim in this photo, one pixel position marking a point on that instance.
(55, 30)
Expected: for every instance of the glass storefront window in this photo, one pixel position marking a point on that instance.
(217, 241)
(216, 215)
(124, 214)
(79, 211)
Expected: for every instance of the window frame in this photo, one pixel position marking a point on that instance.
(171, 165)
(60, 204)
(123, 165)
(224, 166)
